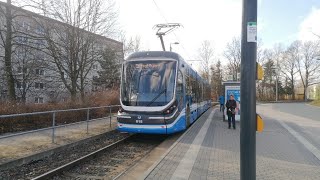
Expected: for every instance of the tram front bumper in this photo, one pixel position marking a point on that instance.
(143, 129)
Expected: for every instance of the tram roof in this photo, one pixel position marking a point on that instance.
(146, 54)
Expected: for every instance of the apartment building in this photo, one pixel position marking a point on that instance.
(38, 79)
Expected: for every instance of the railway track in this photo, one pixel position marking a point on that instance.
(108, 162)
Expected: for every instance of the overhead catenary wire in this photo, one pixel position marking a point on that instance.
(165, 19)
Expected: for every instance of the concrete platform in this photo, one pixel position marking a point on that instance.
(209, 150)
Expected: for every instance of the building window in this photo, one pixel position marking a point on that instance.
(38, 100)
(39, 72)
(26, 25)
(39, 85)
(19, 70)
(64, 74)
(95, 78)
(23, 39)
(40, 43)
(19, 85)
(95, 67)
(40, 30)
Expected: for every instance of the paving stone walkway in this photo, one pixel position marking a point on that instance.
(209, 150)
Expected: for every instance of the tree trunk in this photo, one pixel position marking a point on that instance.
(305, 93)
(306, 87)
(8, 52)
(73, 96)
(82, 97)
(73, 91)
(292, 87)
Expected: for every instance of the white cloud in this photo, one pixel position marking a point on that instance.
(310, 25)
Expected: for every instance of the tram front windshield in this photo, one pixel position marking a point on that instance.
(148, 83)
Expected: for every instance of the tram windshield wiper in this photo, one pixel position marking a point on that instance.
(157, 96)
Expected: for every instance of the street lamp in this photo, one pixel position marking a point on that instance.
(173, 43)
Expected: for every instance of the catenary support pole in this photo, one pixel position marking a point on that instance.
(248, 91)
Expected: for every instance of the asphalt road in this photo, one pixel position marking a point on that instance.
(300, 120)
(298, 109)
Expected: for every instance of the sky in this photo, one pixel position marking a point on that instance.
(279, 21)
(218, 21)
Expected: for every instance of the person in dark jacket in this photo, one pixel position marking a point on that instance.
(231, 106)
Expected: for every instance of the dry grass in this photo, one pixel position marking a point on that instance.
(23, 123)
(315, 103)
(104, 98)
(33, 143)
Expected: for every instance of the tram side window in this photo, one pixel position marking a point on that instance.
(189, 87)
(197, 91)
(194, 91)
(179, 90)
(201, 91)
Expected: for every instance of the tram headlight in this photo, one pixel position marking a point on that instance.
(170, 109)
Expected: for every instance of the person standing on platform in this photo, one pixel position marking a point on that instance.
(231, 111)
(221, 100)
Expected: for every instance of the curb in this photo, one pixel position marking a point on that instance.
(145, 175)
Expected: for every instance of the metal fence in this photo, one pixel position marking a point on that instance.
(54, 113)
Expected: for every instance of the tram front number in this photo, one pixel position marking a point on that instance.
(139, 121)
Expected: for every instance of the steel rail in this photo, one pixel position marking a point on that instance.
(71, 164)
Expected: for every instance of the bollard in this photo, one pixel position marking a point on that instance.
(110, 115)
(53, 125)
(88, 116)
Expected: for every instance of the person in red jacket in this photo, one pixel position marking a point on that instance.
(231, 106)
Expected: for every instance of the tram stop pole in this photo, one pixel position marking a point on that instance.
(248, 91)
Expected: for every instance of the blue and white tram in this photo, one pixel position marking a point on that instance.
(160, 94)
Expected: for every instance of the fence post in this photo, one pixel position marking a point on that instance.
(110, 115)
(53, 125)
(88, 116)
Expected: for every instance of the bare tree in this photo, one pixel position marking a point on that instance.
(131, 45)
(266, 87)
(288, 66)
(7, 41)
(16, 37)
(308, 65)
(206, 54)
(29, 71)
(260, 55)
(277, 56)
(72, 41)
(233, 54)
(216, 79)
